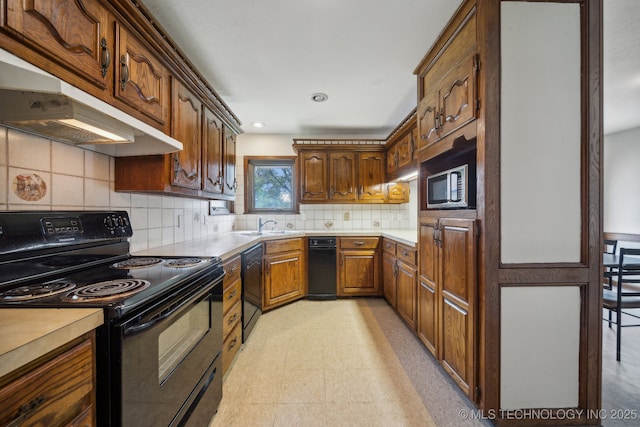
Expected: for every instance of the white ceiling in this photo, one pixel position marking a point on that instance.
(266, 58)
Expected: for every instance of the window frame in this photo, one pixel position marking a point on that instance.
(249, 197)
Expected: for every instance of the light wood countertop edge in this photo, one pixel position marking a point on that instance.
(29, 333)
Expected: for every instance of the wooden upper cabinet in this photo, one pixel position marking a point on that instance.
(342, 176)
(212, 160)
(392, 159)
(406, 149)
(230, 180)
(141, 81)
(75, 35)
(447, 87)
(313, 176)
(186, 126)
(401, 148)
(458, 96)
(428, 119)
(371, 176)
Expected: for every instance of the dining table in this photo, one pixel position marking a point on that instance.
(613, 260)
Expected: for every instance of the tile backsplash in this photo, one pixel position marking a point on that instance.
(38, 174)
(334, 216)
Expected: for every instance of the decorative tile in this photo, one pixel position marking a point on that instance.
(29, 187)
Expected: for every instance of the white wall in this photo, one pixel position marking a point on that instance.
(540, 201)
(620, 182)
(319, 217)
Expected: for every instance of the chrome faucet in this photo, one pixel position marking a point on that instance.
(262, 224)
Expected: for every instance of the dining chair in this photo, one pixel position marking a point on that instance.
(625, 295)
(609, 273)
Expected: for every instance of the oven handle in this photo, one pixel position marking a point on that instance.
(161, 314)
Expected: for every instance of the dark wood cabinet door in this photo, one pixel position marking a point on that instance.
(282, 278)
(405, 151)
(392, 159)
(428, 119)
(371, 177)
(398, 192)
(141, 81)
(77, 35)
(458, 300)
(212, 160)
(427, 325)
(407, 293)
(230, 179)
(458, 96)
(342, 176)
(389, 278)
(185, 164)
(359, 272)
(313, 176)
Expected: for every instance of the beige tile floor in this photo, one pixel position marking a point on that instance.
(320, 363)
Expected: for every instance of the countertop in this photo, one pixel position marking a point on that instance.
(227, 245)
(28, 333)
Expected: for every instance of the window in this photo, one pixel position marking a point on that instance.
(271, 185)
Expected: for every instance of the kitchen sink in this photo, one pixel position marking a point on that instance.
(268, 232)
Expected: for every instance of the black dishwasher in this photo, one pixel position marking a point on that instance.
(322, 268)
(251, 288)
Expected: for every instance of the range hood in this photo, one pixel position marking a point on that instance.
(36, 102)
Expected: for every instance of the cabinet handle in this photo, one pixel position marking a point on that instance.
(105, 57)
(358, 243)
(26, 411)
(232, 294)
(124, 73)
(232, 319)
(235, 267)
(233, 343)
(395, 270)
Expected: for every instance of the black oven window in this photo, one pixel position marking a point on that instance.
(175, 342)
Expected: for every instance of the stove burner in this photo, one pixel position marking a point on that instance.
(40, 290)
(184, 262)
(105, 291)
(137, 263)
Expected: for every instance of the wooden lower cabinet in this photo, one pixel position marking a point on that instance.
(447, 296)
(232, 311)
(284, 272)
(359, 266)
(400, 275)
(58, 390)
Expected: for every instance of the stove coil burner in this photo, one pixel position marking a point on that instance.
(40, 290)
(137, 263)
(105, 291)
(184, 262)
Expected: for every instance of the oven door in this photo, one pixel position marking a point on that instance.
(167, 355)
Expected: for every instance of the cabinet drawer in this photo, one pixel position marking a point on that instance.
(389, 246)
(59, 390)
(231, 295)
(406, 253)
(284, 245)
(231, 346)
(358, 242)
(232, 270)
(231, 318)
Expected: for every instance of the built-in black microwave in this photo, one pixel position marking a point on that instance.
(450, 189)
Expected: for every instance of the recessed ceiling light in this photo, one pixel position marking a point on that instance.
(258, 124)
(319, 97)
